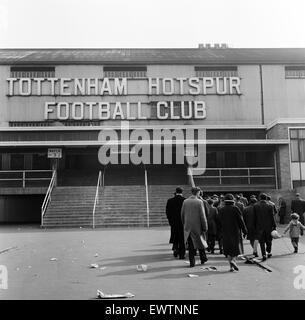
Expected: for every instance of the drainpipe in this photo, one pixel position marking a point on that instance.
(262, 94)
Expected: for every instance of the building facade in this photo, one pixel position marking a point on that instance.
(80, 112)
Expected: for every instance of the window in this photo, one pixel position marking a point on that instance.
(17, 161)
(297, 145)
(125, 71)
(294, 151)
(216, 71)
(32, 72)
(295, 72)
(40, 162)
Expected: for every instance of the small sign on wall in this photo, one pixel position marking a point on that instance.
(54, 153)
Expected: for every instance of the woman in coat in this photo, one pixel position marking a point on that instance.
(232, 224)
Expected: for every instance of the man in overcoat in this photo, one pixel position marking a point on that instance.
(264, 224)
(173, 213)
(195, 226)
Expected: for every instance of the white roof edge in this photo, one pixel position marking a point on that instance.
(273, 123)
(99, 143)
(150, 126)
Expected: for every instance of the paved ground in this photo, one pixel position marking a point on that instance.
(31, 274)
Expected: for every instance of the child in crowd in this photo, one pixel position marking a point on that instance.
(294, 227)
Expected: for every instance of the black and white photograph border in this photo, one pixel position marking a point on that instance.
(156, 153)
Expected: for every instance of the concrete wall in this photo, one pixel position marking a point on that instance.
(283, 98)
(20, 208)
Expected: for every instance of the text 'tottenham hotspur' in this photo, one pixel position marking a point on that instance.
(125, 110)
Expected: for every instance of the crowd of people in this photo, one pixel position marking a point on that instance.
(198, 222)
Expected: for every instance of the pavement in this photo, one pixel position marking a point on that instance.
(33, 273)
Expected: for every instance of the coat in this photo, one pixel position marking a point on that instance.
(232, 224)
(212, 220)
(173, 213)
(194, 221)
(282, 209)
(294, 228)
(263, 220)
(249, 221)
(298, 206)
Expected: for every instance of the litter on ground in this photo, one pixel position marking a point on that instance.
(53, 259)
(209, 269)
(142, 267)
(102, 295)
(193, 275)
(7, 249)
(93, 265)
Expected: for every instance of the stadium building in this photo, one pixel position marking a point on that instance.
(80, 130)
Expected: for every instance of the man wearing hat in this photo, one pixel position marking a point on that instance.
(173, 213)
(298, 206)
(195, 226)
(264, 224)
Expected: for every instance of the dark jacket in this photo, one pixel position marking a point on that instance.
(173, 213)
(298, 206)
(263, 220)
(212, 220)
(249, 221)
(232, 224)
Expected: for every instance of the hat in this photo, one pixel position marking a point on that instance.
(229, 198)
(294, 216)
(179, 190)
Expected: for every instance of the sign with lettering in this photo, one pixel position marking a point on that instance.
(54, 153)
(192, 107)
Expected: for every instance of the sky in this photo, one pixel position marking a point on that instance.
(151, 23)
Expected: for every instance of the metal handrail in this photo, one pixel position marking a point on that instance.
(23, 177)
(47, 198)
(96, 197)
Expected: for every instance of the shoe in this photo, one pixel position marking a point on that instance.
(269, 255)
(295, 250)
(175, 254)
(255, 254)
(234, 266)
(204, 261)
(264, 258)
(212, 251)
(220, 251)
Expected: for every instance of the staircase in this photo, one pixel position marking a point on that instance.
(70, 207)
(121, 206)
(158, 196)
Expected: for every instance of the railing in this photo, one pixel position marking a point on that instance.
(242, 176)
(100, 180)
(24, 178)
(47, 198)
(147, 204)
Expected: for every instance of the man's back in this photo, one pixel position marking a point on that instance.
(173, 209)
(263, 216)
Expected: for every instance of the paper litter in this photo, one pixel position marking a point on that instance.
(102, 295)
(93, 265)
(142, 267)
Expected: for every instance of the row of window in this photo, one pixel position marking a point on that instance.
(297, 145)
(291, 72)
